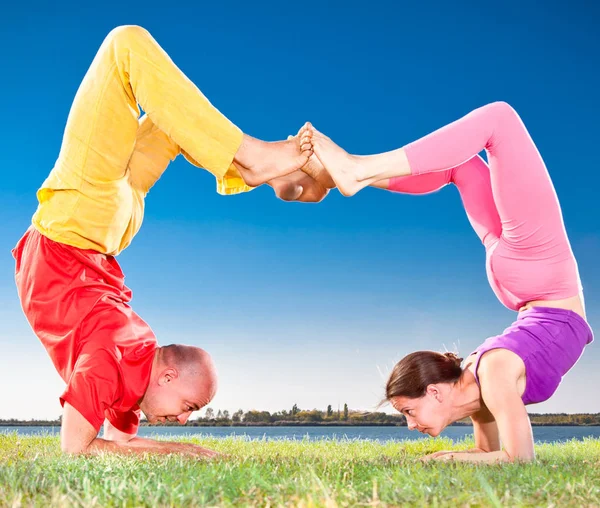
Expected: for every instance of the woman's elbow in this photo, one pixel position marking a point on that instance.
(521, 456)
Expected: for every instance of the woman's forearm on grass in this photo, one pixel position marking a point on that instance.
(481, 457)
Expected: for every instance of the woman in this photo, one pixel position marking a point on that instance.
(514, 210)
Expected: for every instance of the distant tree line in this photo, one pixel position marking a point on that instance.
(565, 419)
(13, 422)
(297, 416)
(300, 417)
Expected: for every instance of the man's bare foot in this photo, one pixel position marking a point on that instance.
(298, 186)
(344, 169)
(260, 161)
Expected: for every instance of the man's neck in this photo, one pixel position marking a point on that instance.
(155, 368)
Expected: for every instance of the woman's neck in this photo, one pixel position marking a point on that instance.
(466, 398)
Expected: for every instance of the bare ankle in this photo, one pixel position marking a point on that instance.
(250, 177)
(244, 155)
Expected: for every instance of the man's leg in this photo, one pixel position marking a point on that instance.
(153, 152)
(130, 68)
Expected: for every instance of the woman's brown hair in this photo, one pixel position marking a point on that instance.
(411, 375)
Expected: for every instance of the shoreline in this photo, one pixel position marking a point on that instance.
(285, 424)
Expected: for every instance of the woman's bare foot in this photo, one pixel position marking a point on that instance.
(343, 168)
(260, 161)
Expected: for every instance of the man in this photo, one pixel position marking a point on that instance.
(91, 206)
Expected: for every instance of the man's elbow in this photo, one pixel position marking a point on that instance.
(72, 448)
(77, 446)
(112, 434)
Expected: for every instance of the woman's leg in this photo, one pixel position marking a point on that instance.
(473, 182)
(533, 259)
(521, 187)
(130, 68)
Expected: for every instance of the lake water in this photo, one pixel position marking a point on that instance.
(540, 434)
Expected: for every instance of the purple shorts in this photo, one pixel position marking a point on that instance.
(549, 341)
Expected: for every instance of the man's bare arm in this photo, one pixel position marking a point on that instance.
(111, 433)
(78, 436)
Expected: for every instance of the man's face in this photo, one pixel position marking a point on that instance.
(174, 397)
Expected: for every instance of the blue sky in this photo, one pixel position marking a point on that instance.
(311, 304)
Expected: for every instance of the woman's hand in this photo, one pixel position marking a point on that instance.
(436, 455)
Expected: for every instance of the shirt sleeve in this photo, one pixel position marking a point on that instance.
(127, 422)
(93, 386)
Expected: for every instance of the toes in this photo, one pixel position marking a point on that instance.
(306, 130)
(305, 137)
(303, 129)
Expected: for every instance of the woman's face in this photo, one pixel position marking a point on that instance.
(428, 414)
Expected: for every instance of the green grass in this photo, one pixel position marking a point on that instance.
(304, 473)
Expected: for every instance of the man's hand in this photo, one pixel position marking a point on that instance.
(139, 445)
(78, 436)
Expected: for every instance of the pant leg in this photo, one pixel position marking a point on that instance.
(472, 179)
(533, 258)
(152, 154)
(87, 200)
(130, 68)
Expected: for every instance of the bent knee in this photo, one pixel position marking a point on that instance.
(503, 110)
(128, 32)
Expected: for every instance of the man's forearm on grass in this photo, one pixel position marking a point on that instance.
(140, 445)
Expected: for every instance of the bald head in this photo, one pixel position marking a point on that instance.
(183, 380)
(194, 365)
